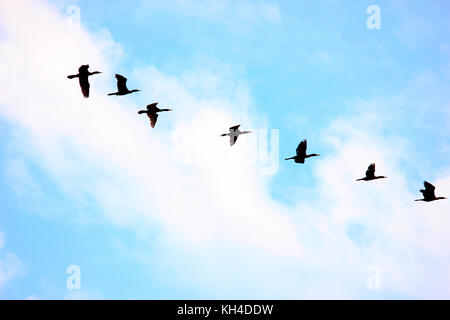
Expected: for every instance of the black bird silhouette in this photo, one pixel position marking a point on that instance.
(301, 153)
(234, 133)
(428, 193)
(370, 174)
(122, 87)
(83, 74)
(152, 113)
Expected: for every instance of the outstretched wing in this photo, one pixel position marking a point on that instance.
(233, 140)
(301, 149)
(429, 190)
(121, 83)
(428, 186)
(152, 107)
(370, 173)
(84, 84)
(153, 117)
(232, 129)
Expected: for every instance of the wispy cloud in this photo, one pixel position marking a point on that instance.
(10, 265)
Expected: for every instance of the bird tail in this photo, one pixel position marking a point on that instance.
(85, 92)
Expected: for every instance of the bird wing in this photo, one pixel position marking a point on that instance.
(232, 129)
(153, 117)
(121, 83)
(233, 140)
(152, 107)
(84, 84)
(429, 189)
(370, 173)
(301, 149)
(428, 186)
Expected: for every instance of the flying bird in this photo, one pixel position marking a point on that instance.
(234, 134)
(370, 174)
(301, 153)
(122, 87)
(428, 193)
(152, 113)
(83, 74)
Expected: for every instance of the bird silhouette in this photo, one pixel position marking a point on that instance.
(428, 193)
(370, 174)
(122, 87)
(301, 153)
(234, 134)
(83, 75)
(152, 113)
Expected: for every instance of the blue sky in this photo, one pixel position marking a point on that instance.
(173, 212)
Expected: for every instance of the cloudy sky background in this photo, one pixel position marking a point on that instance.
(174, 212)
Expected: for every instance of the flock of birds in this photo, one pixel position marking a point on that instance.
(234, 132)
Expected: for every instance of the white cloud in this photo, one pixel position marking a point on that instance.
(10, 265)
(216, 227)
